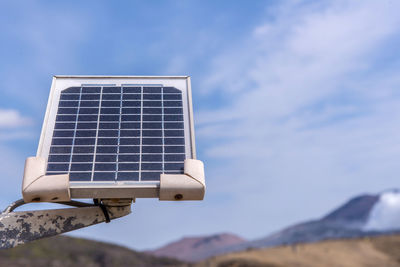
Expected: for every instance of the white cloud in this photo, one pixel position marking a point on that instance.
(385, 215)
(314, 114)
(10, 118)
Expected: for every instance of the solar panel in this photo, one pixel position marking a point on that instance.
(117, 132)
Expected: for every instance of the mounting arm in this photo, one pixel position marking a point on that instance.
(17, 228)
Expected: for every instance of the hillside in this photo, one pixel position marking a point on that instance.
(197, 248)
(347, 221)
(363, 252)
(68, 251)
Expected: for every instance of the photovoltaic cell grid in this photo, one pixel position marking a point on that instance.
(118, 134)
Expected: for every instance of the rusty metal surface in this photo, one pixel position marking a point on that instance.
(24, 226)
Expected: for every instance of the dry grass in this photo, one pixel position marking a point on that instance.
(383, 251)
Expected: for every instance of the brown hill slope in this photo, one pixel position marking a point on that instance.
(197, 248)
(68, 251)
(364, 252)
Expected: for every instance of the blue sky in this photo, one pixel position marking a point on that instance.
(296, 102)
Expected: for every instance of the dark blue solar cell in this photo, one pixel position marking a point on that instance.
(136, 90)
(152, 149)
(151, 176)
(130, 110)
(107, 141)
(129, 141)
(172, 97)
(130, 118)
(173, 133)
(62, 141)
(152, 158)
(104, 176)
(105, 167)
(152, 133)
(70, 118)
(67, 110)
(109, 126)
(86, 125)
(115, 90)
(152, 103)
(60, 133)
(84, 141)
(127, 103)
(85, 133)
(88, 118)
(152, 110)
(129, 149)
(71, 90)
(128, 166)
(111, 97)
(152, 117)
(57, 167)
(61, 125)
(151, 90)
(106, 158)
(83, 149)
(60, 150)
(110, 111)
(152, 141)
(173, 111)
(106, 149)
(130, 133)
(128, 158)
(174, 141)
(109, 117)
(59, 158)
(88, 110)
(80, 176)
(151, 166)
(69, 97)
(90, 104)
(131, 97)
(68, 104)
(130, 125)
(81, 166)
(108, 133)
(127, 176)
(173, 117)
(174, 166)
(90, 97)
(169, 90)
(82, 158)
(174, 149)
(152, 125)
(151, 96)
(172, 103)
(91, 90)
(173, 125)
(174, 157)
(109, 103)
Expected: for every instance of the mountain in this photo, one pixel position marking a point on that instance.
(365, 215)
(197, 248)
(350, 220)
(355, 210)
(68, 251)
(361, 252)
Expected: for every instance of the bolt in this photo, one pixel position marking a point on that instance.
(178, 196)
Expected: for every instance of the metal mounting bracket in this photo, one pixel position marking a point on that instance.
(20, 227)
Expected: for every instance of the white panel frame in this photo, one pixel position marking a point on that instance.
(119, 189)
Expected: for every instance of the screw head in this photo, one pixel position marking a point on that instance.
(178, 196)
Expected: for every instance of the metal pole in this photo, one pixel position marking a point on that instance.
(24, 226)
